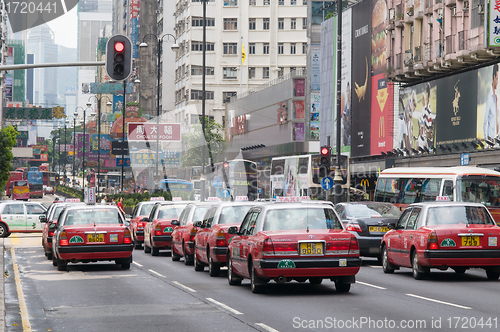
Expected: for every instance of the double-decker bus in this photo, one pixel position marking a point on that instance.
(44, 167)
(14, 176)
(20, 190)
(23, 170)
(294, 176)
(177, 187)
(405, 185)
(238, 175)
(35, 182)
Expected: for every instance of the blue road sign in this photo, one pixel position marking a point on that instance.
(225, 193)
(464, 159)
(327, 183)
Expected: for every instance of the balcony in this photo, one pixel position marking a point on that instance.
(417, 56)
(463, 42)
(408, 59)
(449, 44)
(450, 3)
(398, 63)
(438, 48)
(400, 15)
(427, 53)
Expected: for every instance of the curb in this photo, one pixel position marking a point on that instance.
(2, 290)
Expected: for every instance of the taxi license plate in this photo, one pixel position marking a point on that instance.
(311, 248)
(470, 241)
(378, 229)
(95, 237)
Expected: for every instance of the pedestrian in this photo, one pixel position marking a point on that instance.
(113, 201)
(120, 205)
(104, 200)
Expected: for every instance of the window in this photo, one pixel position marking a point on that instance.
(13, 209)
(198, 70)
(230, 24)
(228, 3)
(230, 48)
(304, 23)
(304, 48)
(293, 23)
(251, 72)
(293, 2)
(251, 48)
(265, 23)
(281, 71)
(198, 46)
(281, 2)
(34, 209)
(292, 69)
(252, 2)
(280, 48)
(251, 24)
(266, 48)
(198, 94)
(198, 21)
(227, 95)
(281, 23)
(304, 2)
(267, 2)
(293, 48)
(230, 73)
(265, 72)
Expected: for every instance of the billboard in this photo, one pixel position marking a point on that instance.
(345, 88)
(170, 132)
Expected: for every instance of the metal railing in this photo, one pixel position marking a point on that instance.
(408, 58)
(427, 52)
(449, 44)
(417, 56)
(398, 64)
(438, 48)
(463, 42)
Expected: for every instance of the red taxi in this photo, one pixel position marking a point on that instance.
(90, 234)
(285, 242)
(142, 210)
(183, 235)
(210, 242)
(442, 235)
(51, 217)
(159, 227)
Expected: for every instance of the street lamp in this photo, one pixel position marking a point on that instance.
(83, 159)
(174, 48)
(109, 103)
(59, 156)
(65, 147)
(75, 115)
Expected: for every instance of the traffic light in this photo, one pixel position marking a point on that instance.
(225, 169)
(119, 57)
(324, 161)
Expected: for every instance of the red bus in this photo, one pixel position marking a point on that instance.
(23, 170)
(50, 179)
(44, 167)
(14, 176)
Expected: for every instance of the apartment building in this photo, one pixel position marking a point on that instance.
(274, 37)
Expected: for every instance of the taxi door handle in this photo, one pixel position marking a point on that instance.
(399, 236)
(411, 236)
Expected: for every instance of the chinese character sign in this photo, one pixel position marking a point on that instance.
(494, 26)
(138, 131)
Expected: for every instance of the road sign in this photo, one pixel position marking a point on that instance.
(327, 183)
(225, 193)
(464, 159)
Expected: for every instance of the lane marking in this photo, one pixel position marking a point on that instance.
(20, 294)
(437, 301)
(139, 265)
(375, 266)
(369, 285)
(265, 327)
(185, 287)
(158, 274)
(228, 308)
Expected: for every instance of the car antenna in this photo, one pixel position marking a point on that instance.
(307, 228)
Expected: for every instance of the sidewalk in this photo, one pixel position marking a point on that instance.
(2, 290)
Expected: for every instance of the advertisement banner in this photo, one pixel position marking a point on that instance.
(170, 132)
(361, 82)
(298, 132)
(328, 80)
(488, 118)
(494, 24)
(80, 143)
(105, 146)
(299, 87)
(315, 67)
(382, 115)
(119, 162)
(147, 158)
(314, 119)
(298, 109)
(345, 90)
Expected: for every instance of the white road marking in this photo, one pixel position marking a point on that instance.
(375, 266)
(228, 308)
(135, 263)
(153, 271)
(437, 301)
(185, 287)
(265, 327)
(369, 285)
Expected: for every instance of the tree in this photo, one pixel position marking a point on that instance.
(194, 142)
(7, 142)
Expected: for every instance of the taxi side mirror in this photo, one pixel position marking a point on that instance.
(128, 216)
(43, 218)
(198, 223)
(232, 230)
(146, 219)
(52, 226)
(175, 222)
(391, 225)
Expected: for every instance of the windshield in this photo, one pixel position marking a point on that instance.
(199, 212)
(301, 219)
(453, 215)
(170, 211)
(372, 211)
(233, 214)
(93, 216)
(485, 190)
(56, 212)
(20, 183)
(146, 209)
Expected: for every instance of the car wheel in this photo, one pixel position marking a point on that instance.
(3, 231)
(198, 266)
(459, 270)
(125, 266)
(254, 282)
(386, 266)
(61, 265)
(231, 278)
(155, 251)
(49, 255)
(54, 261)
(137, 245)
(175, 256)
(187, 260)
(213, 268)
(315, 281)
(492, 275)
(342, 287)
(415, 267)
(147, 249)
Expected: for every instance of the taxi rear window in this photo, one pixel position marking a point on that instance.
(170, 211)
(146, 209)
(301, 218)
(453, 215)
(91, 217)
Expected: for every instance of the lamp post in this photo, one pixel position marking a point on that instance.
(59, 156)
(83, 159)
(174, 47)
(338, 176)
(74, 143)
(65, 147)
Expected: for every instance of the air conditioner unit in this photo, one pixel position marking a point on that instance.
(481, 10)
(466, 5)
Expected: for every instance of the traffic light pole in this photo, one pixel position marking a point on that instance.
(123, 134)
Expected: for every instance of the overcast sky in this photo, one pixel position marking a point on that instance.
(65, 28)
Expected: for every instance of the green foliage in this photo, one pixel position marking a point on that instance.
(329, 15)
(7, 141)
(131, 200)
(195, 141)
(72, 192)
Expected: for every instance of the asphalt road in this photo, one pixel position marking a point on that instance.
(157, 294)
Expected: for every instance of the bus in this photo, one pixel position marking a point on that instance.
(14, 176)
(20, 190)
(34, 169)
(177, 187)
(23, 170)
(50, 179)
(405, 185)
(44, 167)
(240, 176)
(35, 182)
(295, 176)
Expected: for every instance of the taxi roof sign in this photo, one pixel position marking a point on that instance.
(442, 198)
(160, 198)
(72, 200)
(176, 198)
(242, 198)
(213, 199)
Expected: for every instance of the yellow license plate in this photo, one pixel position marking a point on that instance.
(377, 229)
(95, 237)
(470, 241)
(311, 248)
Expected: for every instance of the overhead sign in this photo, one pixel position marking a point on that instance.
(33, 113)
(108, 88)
(139, 131)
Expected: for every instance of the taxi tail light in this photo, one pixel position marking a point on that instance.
(126, 237)
(63, 239)
(353, 228)
(140, 224)
(51, 234)
(220, 240)
(432, 241)
(267, 247)
(340, 246)
(285, 247)
(192, 234)
(354, 246)
(158, 232)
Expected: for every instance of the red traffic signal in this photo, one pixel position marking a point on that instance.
(119, 46)
(225, 165)
(119, 57)
(325, 151)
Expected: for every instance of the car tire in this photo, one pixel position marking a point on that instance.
(254, 282)
(155, 251)
(198, 266)
(231, 278)
(416, 268)
(49, 255)
(315, 281)
(61, 265)
(387, 267)
(147, 249)
(342, 287)
(187, 260)
(125, 266)
(54, 261)
(492, 275)
(213, 268)
(137, 245)
(3, 230)
(175, 256)
(459, 270)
